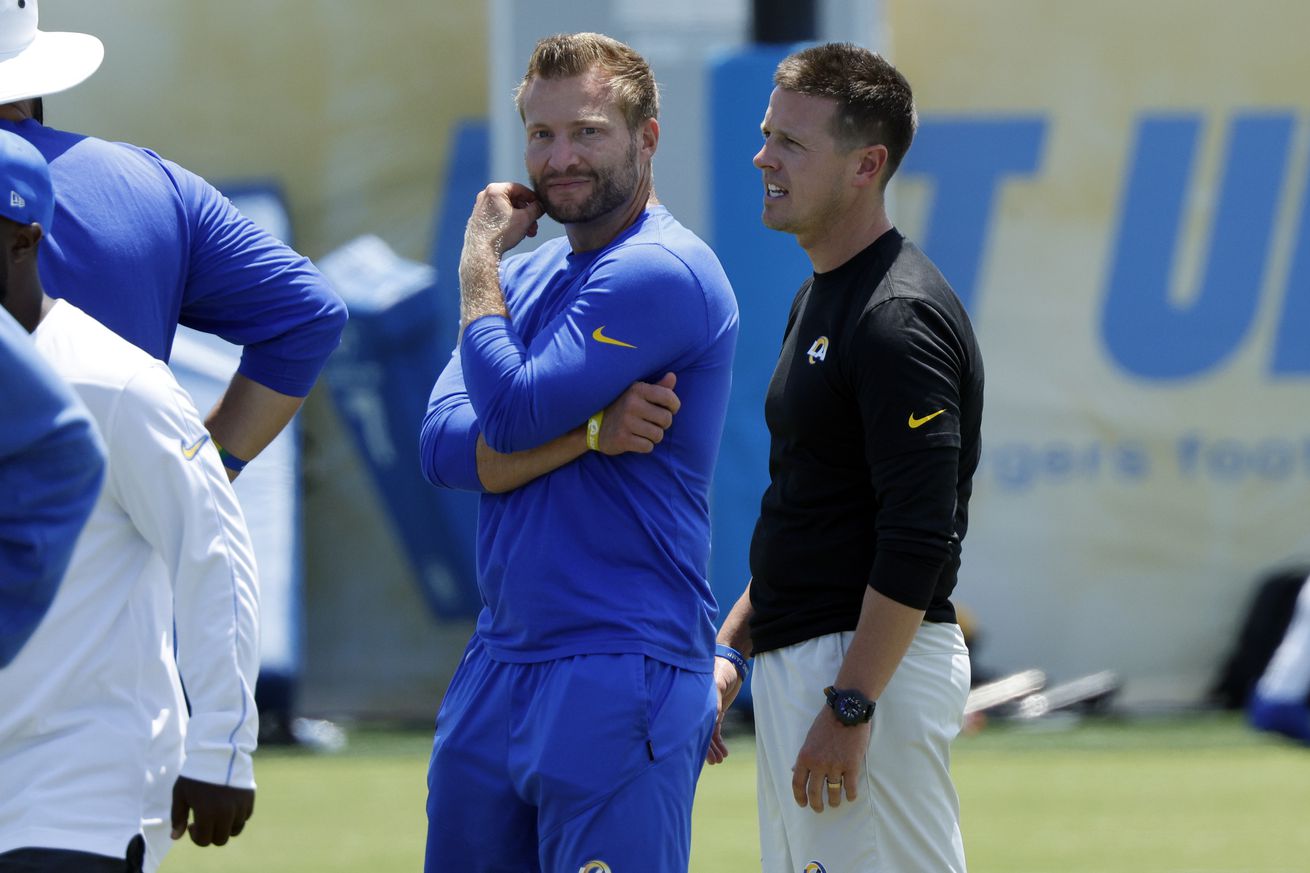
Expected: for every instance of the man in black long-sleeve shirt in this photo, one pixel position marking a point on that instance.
(874, 412)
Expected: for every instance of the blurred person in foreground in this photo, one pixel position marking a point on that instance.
(142, 245)
(1281, 700)
(575, 728)
(98, 762)
(861, 671)
(52, 463)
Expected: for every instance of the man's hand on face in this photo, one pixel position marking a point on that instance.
(505, 212)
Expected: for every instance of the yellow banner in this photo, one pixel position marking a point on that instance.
(1119, 191)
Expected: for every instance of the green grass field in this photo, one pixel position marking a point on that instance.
(1199, 794)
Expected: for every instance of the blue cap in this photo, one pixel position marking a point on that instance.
(26, 195)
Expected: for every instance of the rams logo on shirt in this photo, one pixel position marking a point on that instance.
(814, 867)
(818, 352)
(595, 867)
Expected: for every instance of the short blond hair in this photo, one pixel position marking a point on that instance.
(572, 54)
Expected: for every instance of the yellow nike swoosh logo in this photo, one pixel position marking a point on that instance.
(601, 338)
(920, 422)
(190, 451)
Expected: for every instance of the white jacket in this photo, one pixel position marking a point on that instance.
(92, 717)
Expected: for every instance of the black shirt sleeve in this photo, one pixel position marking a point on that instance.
(908, 367)
(907, 364)
(915, 529)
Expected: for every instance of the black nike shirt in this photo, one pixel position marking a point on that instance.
(874, 413)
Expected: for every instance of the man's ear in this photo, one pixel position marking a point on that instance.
(26, 241)
(872, 165)
(648, 137)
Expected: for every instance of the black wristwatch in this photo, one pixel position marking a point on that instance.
(851, 707)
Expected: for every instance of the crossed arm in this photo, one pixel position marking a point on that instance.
(525, 404)
(635, 422)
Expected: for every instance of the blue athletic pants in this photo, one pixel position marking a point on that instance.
(586, 763)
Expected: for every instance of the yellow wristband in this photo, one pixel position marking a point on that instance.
(593, 431)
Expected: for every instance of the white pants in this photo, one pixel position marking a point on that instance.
(1287, 678)
(906, 818)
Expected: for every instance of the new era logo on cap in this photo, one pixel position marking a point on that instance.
(24, 172)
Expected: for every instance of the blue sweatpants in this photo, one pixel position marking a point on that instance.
(583, 763)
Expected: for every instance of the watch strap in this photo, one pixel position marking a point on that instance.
(840, 700)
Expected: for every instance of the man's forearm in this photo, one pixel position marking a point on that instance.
(882, 637)
(504, 213)
(504, 472)
(634, 422)
(736, 630)
(248, 416)
(479, 281)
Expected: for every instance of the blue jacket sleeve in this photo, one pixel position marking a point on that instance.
(639, 312)
(448, 440)
(251, 289)
(51, 468)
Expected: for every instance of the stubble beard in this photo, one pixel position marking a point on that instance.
(613, 186)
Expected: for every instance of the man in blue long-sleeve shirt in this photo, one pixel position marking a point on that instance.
(142, 245)
(573, 732)
(51, 466)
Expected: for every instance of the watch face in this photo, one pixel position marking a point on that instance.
(851, 709)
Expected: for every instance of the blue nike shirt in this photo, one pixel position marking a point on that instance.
(141, 245)
(605, 554)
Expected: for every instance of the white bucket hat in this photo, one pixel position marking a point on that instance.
(34, 63)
